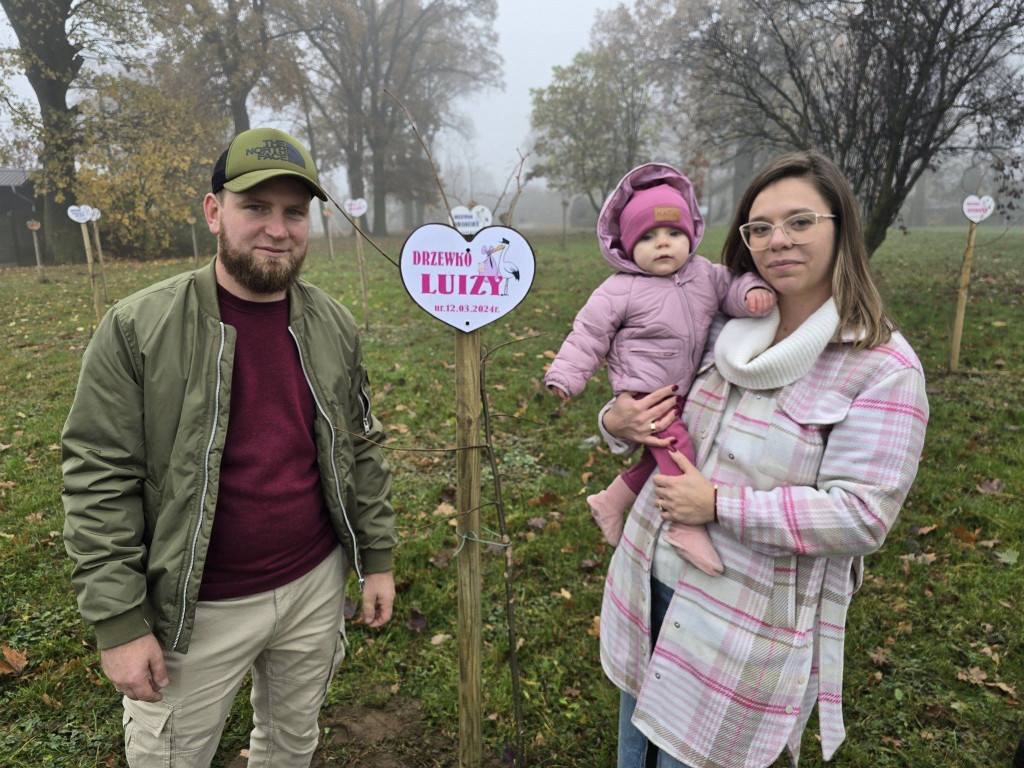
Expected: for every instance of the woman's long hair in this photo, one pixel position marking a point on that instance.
(858, 302)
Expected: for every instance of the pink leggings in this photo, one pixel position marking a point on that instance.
(637, 475)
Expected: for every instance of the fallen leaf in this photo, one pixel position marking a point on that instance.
(571, 692)
(439, 639)
(999, 323)
(588, 565)
(587, 477)
(972, 675)
(595, 627)
(444, 509)
(1009, 557)
(1008, 689)
(989, 487)
(924, 530)
(549, 354)
(244, 753)
(537, 523)
(15, 661)
(968, 537)
(417, 621)
(878, 657)
(351, 609)
(442, 559)
(565, 594)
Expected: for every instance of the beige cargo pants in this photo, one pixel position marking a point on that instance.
(291, 638)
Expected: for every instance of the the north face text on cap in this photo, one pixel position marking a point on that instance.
(277, 149)
(666, 213)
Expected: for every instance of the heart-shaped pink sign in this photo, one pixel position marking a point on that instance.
(467, 282)
(977, 209)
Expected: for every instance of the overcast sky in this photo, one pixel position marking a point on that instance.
(533, 37)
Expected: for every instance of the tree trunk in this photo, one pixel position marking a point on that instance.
(742, 172)
(380, 197)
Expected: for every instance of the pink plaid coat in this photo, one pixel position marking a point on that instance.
(742, 658)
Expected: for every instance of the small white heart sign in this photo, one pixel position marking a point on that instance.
(467, 282)
(95, 215)
(80, 213)
(469, 222)
(355, 207)
(977, 209)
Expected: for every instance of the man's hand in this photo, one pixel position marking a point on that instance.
(136, 668)
(760, 300)
(378, 598)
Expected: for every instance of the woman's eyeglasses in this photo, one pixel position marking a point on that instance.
(799, 228)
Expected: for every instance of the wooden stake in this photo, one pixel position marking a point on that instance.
(99, 253)
(362, 275)
(330, 240)
(34, 227)
(961, 301)
(92, 273)
(467, 431)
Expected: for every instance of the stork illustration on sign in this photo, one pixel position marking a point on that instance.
(497, 264)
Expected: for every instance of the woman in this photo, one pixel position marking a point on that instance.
(808, 426)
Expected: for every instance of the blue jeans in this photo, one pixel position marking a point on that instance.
(635, 751)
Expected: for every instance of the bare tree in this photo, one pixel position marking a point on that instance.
(598, 117)
(231, 47)
(425, 52)
(886, 88)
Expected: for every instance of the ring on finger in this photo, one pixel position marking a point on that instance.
(654, 427)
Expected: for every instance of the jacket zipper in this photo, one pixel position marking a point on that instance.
(364, 401)
(202, 498)
(334, 465)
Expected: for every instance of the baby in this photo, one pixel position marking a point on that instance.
(650, 322)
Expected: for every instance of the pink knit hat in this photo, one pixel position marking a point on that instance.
(660, 206)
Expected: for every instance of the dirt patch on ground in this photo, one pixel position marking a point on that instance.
(392, 736)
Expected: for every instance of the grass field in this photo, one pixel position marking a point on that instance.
(935, 651)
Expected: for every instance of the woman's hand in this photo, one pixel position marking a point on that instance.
(639, 420)
(686, 498)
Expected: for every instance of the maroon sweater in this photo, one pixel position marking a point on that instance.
(271, 525)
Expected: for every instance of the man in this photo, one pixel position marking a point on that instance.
(221, 478)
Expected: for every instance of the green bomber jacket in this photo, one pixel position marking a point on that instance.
(143, 441)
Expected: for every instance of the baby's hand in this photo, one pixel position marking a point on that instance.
(760, 300)
(558, 391)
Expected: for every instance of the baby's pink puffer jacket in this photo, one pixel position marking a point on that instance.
(650, 329)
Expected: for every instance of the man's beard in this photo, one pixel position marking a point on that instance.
(262, 276)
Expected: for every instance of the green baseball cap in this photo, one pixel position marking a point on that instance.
(259, 154)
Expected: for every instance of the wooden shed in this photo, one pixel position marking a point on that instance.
(18, 204)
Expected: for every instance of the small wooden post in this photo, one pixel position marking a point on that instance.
(327, 229)
(362, 273)
(33, 225)
(99, 254)
(467, 432)
(195, 248)
(961, 301)
(92, 273)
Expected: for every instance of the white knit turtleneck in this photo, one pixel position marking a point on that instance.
(745, 356)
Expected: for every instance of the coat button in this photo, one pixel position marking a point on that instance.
(789, 710)
(658, 675)
(732, 456)
(703, 433)
(802, 679)
(757, 397)
(677, 625)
